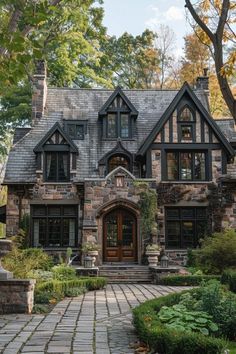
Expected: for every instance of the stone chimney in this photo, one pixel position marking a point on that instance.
(39, 91)
(202, 82)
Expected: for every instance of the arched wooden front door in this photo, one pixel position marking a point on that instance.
(119, 236)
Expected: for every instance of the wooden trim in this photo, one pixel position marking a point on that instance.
(202, 127)
(185, 146)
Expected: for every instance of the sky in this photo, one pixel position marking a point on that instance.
(134, 16)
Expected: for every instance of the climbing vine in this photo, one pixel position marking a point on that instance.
(148, 208)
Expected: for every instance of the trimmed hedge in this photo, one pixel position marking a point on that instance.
(166, 341)
(229, 277)
(61, 287)
(185, 280)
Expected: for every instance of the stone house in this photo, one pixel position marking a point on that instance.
(75, 172)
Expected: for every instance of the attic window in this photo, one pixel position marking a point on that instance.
(186, 115)
(76, 129)
(118, 160)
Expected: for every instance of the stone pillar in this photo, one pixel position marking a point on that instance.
(5, 247)
(39, 92)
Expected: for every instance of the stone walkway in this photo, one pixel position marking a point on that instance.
(98, 322)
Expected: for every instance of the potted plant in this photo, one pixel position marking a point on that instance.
(152, 251)
(91, 249)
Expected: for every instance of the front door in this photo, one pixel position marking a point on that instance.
(119, 236)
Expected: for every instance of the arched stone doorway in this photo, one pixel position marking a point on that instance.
(120, 235)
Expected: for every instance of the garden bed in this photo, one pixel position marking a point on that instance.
(166, 340)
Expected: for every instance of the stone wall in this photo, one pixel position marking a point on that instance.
(101, 196)
(17, 296)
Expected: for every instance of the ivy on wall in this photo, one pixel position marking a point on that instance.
(148, 209)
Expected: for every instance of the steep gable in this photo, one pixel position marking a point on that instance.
(165, 129)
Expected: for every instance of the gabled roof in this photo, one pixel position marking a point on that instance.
(55, 127)
(185, 89)
(118, 92)
(119, 149)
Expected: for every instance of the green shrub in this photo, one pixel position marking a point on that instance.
(186, 280)
(221, 305)
(22, 262)
(229, 277)
(42, 297)
(63, 272)
(217, 252)
(62, 287)
(75, 291)
(38, 308)
(40, 275)
(169, 341)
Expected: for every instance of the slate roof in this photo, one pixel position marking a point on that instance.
(84, 104)
(226, 125)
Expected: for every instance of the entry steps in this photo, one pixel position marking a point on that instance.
(125, 273)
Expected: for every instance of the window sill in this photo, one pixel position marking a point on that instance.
(58, 183)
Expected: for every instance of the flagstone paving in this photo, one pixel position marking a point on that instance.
(98, 322)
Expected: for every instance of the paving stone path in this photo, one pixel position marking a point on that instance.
(98, 322)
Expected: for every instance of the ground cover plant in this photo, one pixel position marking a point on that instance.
(201, 320)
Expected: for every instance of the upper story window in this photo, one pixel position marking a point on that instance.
(57, 166)
(118, 160)
(118, 116)
(118, 123)
(186, 115)
(76, 129)
(186, 125)
(56, 155)
(185, 166)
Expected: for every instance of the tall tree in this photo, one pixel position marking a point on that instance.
(133, 60)
(164, 43)
(214, 22)
(64, 32)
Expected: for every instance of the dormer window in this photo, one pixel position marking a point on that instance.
(56, 155)
(118, 115)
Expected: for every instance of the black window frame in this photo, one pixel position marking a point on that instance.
(118, 111)
(118, 155)
(57, 179)
(47, 215)
(192, 152)
(180, 219)
(75, 123)
(181, 109)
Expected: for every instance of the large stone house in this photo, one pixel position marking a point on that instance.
(75, 172)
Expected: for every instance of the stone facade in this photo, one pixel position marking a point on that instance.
(17, 296)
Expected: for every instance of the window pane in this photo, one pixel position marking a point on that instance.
(51, 166)
(63, 164)
(186, 132)
(39, 230)
(127, 231)
(199, 166)
(71, 130)
(187, 213)
(111, 126)
(185, 166)
(172, 165)
(173, 234)
(201, 229)
(68, 236)
(117, 161)
(186, 115)
(69, 211)
(54, 232)
(188, 234)
(112, 231)
(39, 211)
(80, 132)
(172, 213)
(124, 125)
(54, 210)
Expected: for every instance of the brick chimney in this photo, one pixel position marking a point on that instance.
(39, 91)
(202, 82)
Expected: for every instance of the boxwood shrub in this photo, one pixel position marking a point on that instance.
(166, 341)
(62, 286)
(186, 280)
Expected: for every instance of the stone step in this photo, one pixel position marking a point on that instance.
(126, 274)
